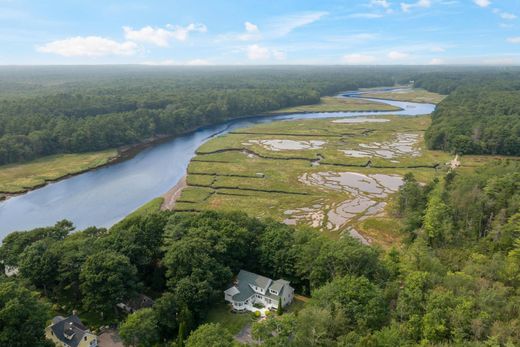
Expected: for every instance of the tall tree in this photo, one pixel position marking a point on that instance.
(107, 278)
(140, 329)
(22, 317)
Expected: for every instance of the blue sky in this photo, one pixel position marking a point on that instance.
(180, 32)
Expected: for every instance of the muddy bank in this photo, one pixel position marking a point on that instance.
(171, 196)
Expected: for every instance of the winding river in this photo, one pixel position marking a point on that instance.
(104, 196)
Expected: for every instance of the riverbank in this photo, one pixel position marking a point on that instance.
(117, 190)
(329, 104)
(171, 196)
(18, 179)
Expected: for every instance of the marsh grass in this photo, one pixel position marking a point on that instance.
(16, 178)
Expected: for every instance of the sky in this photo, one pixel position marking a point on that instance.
(247, 32)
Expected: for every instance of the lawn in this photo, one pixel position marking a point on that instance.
(16, 178)
(336, 104)
(233, 322)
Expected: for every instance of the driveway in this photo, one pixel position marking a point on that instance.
(110, 338)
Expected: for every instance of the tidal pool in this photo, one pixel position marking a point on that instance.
(364, 192)
(404, 144)
(288, 145)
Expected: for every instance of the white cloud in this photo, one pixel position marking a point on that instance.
(514, 40)
(284, 25)
(436, 61)
(367, 15)
(507, 15)
(162, 37)
(257, 52)
(251, 33)
(482, 3)
(250, 27)
(381, 3)
(358, 59)
(396, 55)
(406, 7)
(88, 46)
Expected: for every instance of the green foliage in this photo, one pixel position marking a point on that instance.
(210, 335)
(22, 316)
(107, 109)
(275, 332)
(358, 302)
(140, 328)
(437, 218)
(107, 278)
(15, 243)
(479, 119)
(166, 309)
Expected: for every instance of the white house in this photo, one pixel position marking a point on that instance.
(70, 332)
(250, 289)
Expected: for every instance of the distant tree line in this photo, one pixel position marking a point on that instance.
(480, 116)
(71, 113)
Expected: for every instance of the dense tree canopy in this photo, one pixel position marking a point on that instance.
(73, 112)
(480, 116)
(22, 316)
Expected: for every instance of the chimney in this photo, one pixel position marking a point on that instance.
(74, 312)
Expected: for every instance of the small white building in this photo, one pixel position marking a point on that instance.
(250, 289)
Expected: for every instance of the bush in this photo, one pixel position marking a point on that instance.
(256, 314)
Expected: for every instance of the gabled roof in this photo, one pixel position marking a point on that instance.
(70, 326)
(278, 285)
(254, 279)
(242, 289)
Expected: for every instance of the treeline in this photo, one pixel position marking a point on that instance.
(480, 116)
(72, 111)
(189, 259)
(455, 281)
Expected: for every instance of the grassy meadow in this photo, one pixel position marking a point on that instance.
(17, 178)
(413, 95)
(335, 104)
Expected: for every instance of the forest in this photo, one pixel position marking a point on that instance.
(52, 110)
(455, 281)
(45, 112)
(481, 115)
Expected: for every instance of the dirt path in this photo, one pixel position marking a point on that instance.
(173, 194)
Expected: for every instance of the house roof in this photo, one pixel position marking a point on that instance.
(278, 285)
(242, 289)
(70, 326)
(252, 278)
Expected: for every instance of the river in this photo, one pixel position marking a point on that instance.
(104, 196)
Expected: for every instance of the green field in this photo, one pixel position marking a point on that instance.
(245, 170)
(335, 104)
(17, 178)
(414, 95)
